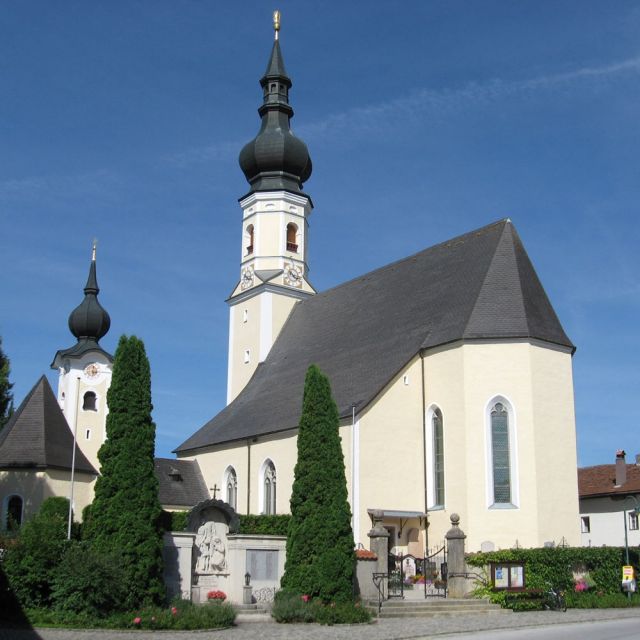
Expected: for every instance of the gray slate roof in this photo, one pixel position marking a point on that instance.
(180, 482)
(361, 334)
(38, 436)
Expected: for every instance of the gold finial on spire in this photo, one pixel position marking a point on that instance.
(276, 23)
(93, 249)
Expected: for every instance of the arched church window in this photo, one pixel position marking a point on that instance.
(89, 401)
(500, 454)
(292, 233)
(250, 239)
(13, 518)
(231, 484)
(269, 489)
(438, 458)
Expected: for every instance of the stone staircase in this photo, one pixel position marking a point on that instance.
(252, 613)
(414, 608)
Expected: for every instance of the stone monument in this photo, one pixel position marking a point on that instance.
(211, 521)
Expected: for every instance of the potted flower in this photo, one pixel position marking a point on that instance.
(216, 596)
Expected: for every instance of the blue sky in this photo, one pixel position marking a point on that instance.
(424, 119)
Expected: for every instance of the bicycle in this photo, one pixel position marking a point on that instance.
(554, 599)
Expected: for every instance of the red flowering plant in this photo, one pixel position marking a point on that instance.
(216, 596)
(305, 598)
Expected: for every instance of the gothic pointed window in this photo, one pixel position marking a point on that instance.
(500, 454)
(89, 401)
(269, 480)
(13, 518)
(231, 484)
(292, 233)
(249, 240)
(438, 458)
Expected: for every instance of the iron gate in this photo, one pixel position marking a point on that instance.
(435, 572)
(395, 587)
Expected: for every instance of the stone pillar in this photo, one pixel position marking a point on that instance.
(379, 544)
(456, 566)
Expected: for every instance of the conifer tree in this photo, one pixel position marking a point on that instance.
(320, 550)
(124, 514)
(6, 397)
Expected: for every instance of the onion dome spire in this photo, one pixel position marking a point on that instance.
(275, 159)
(89, 321)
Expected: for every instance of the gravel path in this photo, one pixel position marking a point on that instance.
(385, 629)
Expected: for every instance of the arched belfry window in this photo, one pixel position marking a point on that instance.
(249, 239)
(438, 458)
(89, 401)
(292, 237)
(269, 488)
(231, 487)
(500, 454)
(13, 514)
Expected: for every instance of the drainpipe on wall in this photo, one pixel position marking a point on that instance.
(248, 476)
(424, 459)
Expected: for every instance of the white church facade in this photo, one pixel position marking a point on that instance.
(451, 371)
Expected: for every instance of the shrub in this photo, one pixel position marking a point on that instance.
(30, 563)
(88, 582)
(290, 608)
(272, 525)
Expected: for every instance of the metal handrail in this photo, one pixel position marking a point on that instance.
(379, 581)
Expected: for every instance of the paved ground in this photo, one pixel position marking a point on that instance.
(386, 629)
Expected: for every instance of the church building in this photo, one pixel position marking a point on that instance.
(451, 371)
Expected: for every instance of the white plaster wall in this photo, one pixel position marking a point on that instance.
(607, 523)
(36, 486)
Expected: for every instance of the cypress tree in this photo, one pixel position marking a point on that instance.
(6, 397)
(320, 550)
(124, 514)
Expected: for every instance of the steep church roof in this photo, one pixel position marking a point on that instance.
(37, 435)
(480, 285)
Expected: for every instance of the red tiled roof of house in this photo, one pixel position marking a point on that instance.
(365, 554)
(601, 479)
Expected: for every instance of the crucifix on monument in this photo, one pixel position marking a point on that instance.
(215, 490)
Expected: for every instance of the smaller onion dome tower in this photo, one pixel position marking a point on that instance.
(274, 272)
(85, 370)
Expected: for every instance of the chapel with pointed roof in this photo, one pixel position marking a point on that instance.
(450, 368)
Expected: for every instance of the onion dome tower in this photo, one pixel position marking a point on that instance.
(275, 214)
(85, 370)
(275, 159)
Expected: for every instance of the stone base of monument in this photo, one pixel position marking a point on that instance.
(206, 583)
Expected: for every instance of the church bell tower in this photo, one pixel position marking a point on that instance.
(85, 371)
(275, 224)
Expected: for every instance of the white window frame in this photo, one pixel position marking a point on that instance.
(225, 481)
(585, 524)
(430, 457)
(513, 454)
(261, 482)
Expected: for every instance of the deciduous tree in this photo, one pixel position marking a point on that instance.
(6, 397)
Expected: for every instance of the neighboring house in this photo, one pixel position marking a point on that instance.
(609, 495)
(450, 369)
(36, 451)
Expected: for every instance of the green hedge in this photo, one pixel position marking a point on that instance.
(256, 525)
(265, 525)
(556, 565)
